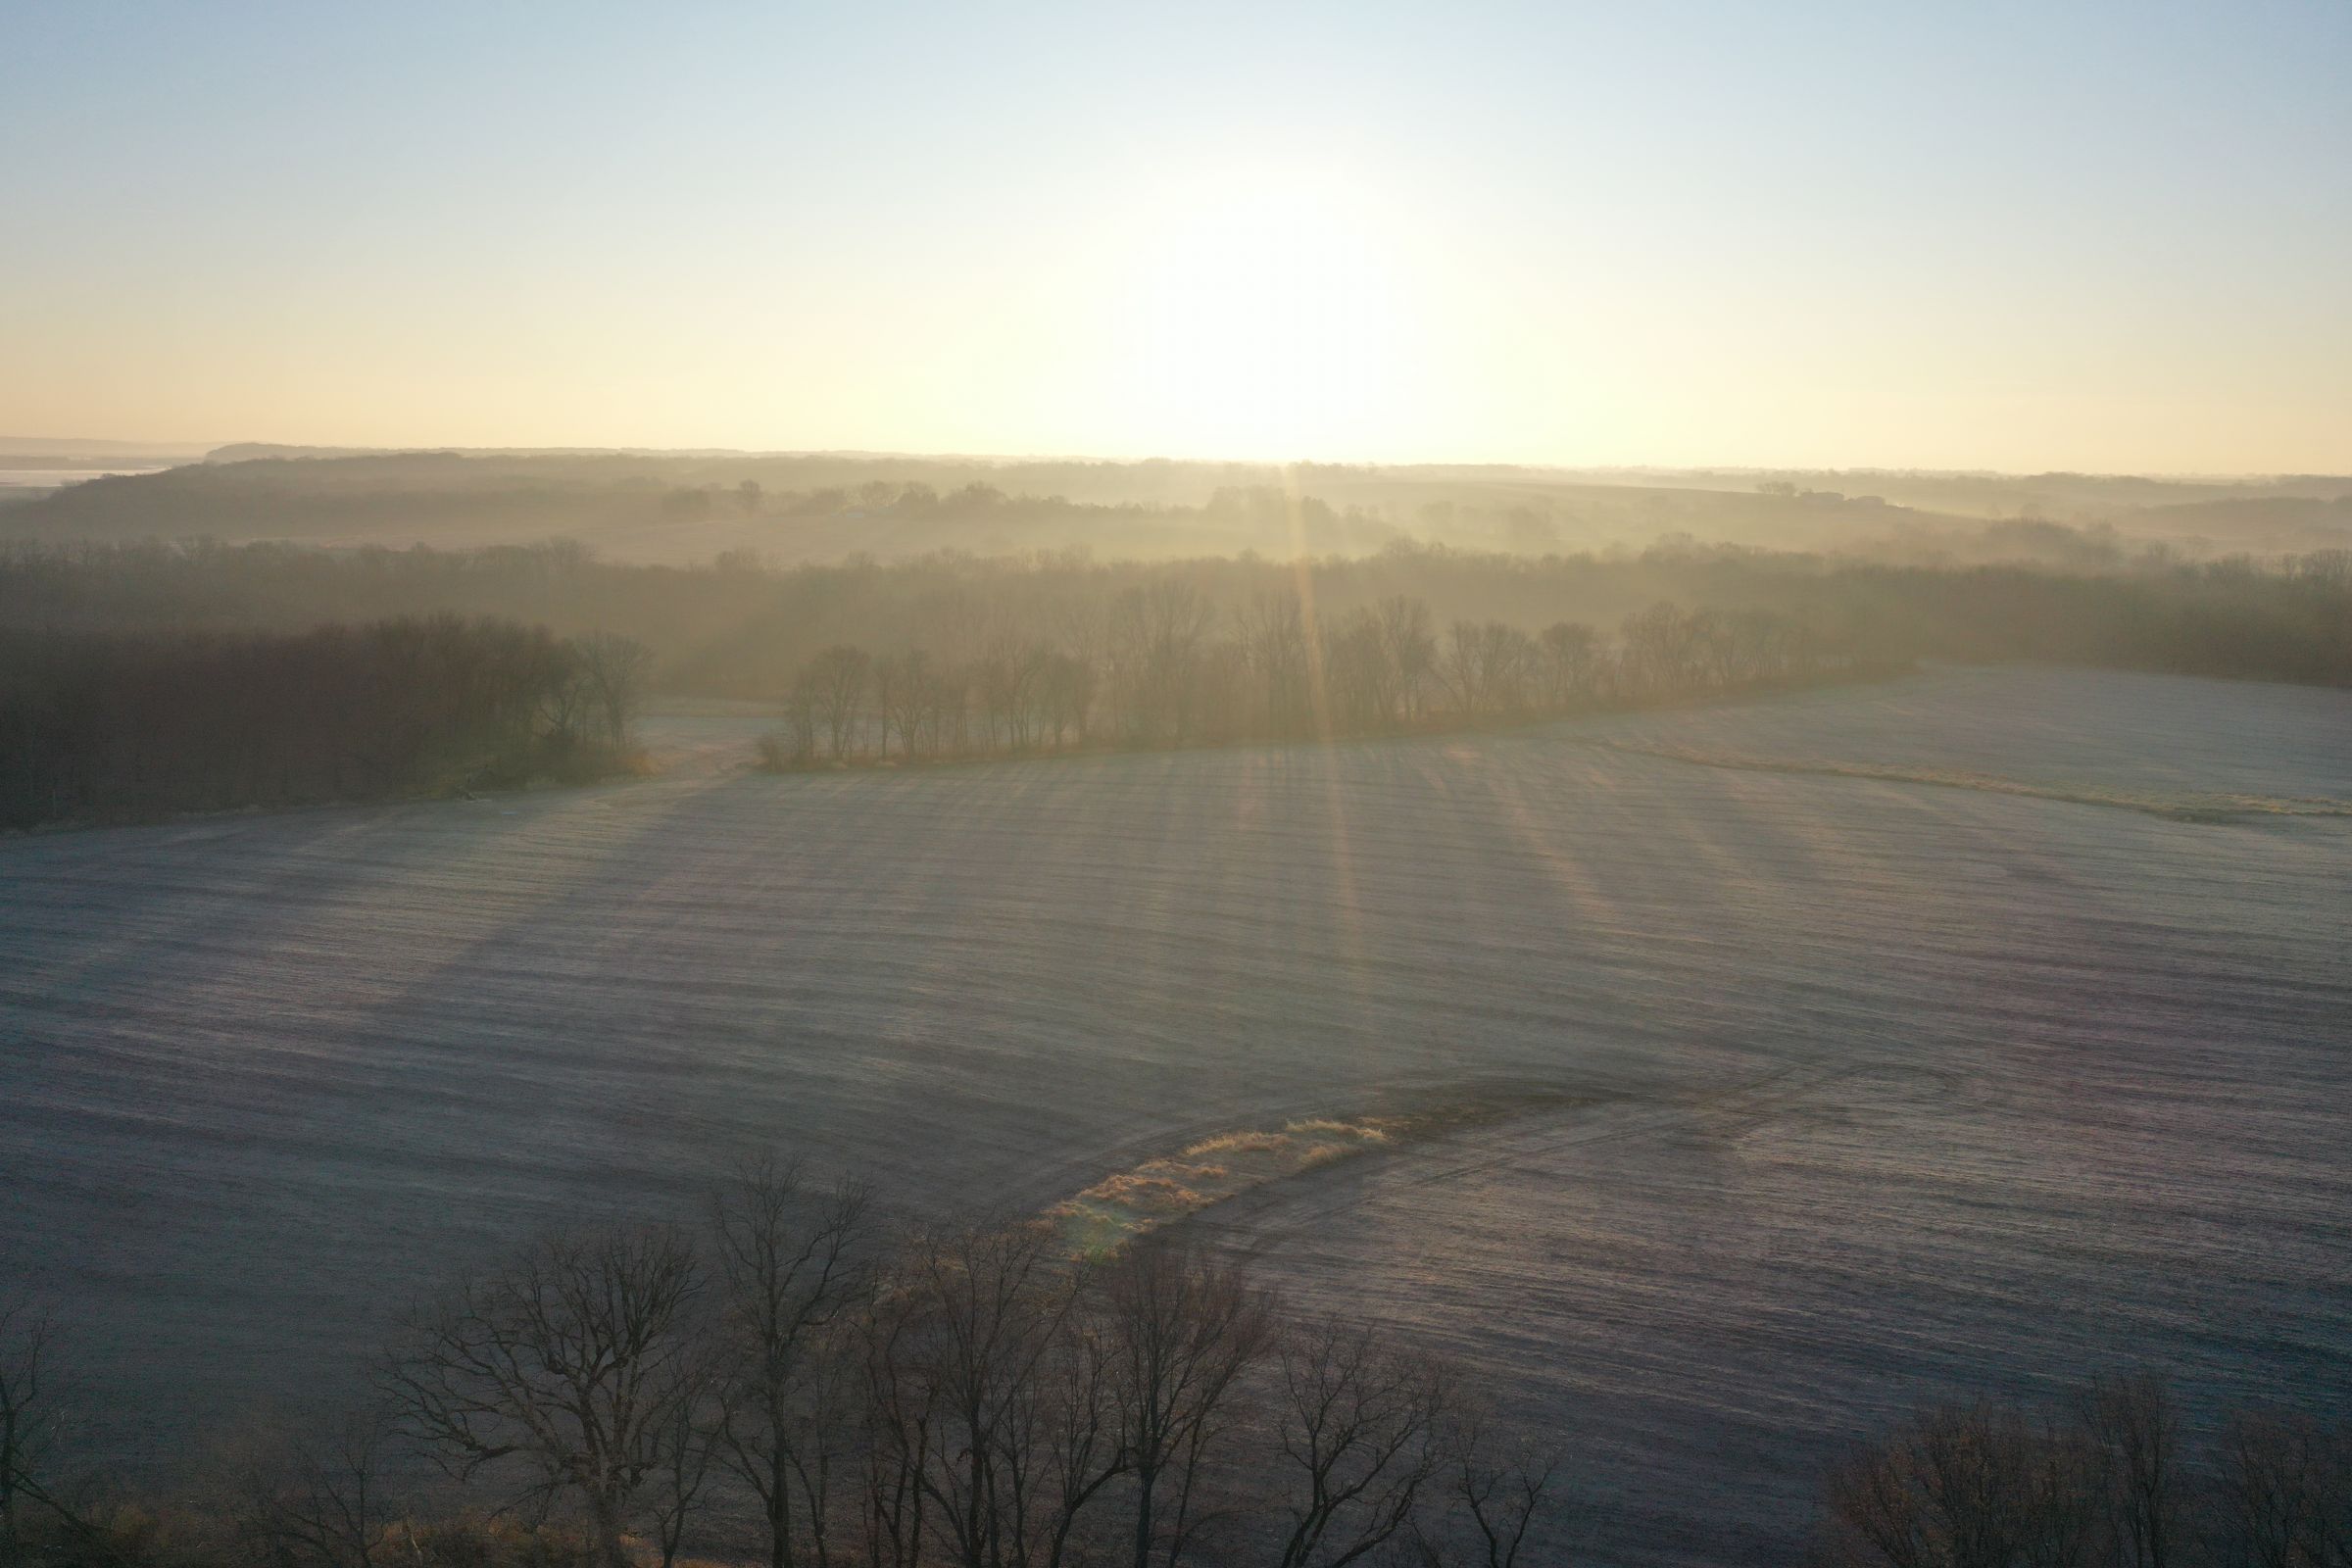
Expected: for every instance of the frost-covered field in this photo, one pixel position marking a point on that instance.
(1787, 1097)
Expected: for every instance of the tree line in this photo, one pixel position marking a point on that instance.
(139, 680)
(2113, 1476)
(118, 726)
(797, 1381)
(739, 627)
(1159, 664)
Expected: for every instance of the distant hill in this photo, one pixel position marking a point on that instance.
(691, 506)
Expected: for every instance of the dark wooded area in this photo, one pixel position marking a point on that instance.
(121, 726)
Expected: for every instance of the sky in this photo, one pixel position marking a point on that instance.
(2111, 237)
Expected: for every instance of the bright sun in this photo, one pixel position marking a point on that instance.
(1273, 319)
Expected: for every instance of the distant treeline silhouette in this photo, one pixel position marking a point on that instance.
(1159, 665)
(797, 1382)
(119, 727)
(677, 506)
(736, 629)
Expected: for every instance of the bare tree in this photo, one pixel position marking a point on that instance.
(1079, 627)
(839, 674)
(614, 669)
(981, 1312)
(1275, 646)
(1410, 647)
(991, 687)
(1979, 1486)
(899, 1410)
(791, 1263)
(563, 696)
(1359, 1424)
(1359, 681)
(890, 699)
(1487, 665)
(322, 1497)
(27, 1417)
(802, 703)
(2135, 1440)
(692, 1408)
(910, 698)
(1764, 644)
(1660, 649)
(1465, 667)
(1074, 1443)
(1066, 692)
(1570, 655)
(570, 1362)
(30, 1421)
(1155, 635)
(1183, 1327)
(2285, 1494)
(1007, 677)
(1500, 1499)
(945, 708)
(1714, 648)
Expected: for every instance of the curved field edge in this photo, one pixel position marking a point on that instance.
(2191, 807)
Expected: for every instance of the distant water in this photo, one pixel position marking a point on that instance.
(54, 478)
(1819, 1094)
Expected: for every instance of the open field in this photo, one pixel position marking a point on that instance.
(1739, 1104)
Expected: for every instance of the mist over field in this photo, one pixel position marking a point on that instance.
(1311, 786)
(681, 508)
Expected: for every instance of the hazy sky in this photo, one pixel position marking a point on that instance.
(1952, 234)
